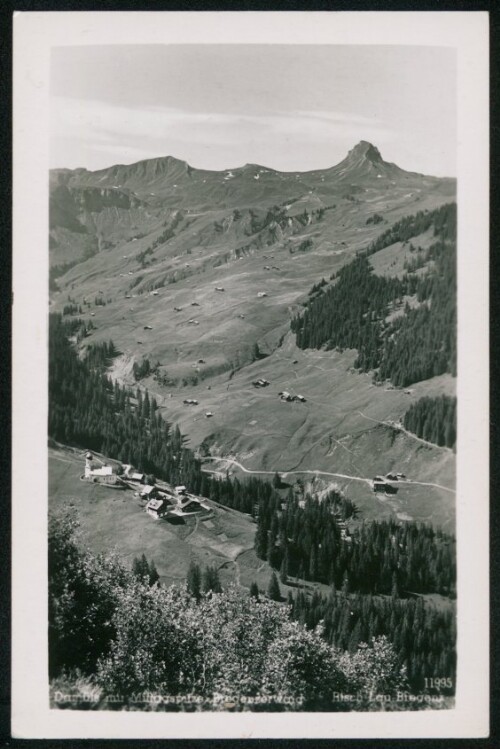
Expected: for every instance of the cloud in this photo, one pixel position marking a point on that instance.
(108, 127)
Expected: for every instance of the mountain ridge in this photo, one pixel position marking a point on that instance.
(363, 149)
(96, 205)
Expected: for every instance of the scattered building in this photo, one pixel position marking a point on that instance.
(157, 508)
(260, 383)
(260, 294)
(219, 288)
(384, 486)
(137, 478)
(100, 475)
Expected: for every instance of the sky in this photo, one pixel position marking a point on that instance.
(288, 107)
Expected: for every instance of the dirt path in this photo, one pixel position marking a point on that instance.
(283, 473)
(400, 428)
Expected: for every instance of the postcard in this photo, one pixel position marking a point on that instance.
(250, 446)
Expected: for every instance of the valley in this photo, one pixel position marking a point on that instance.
(200, 273)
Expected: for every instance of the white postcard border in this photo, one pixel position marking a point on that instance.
(34, 36)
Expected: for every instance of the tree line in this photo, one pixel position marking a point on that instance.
(86, 409)
(416, 224)
(417, 343)
(422, 635)
(306, 542)
(433, 419)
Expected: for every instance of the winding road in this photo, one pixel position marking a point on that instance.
(406, 482)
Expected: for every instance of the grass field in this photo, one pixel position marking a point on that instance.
(112, 519)
(345, 426)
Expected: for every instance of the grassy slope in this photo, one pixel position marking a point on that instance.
(114, 519)
(327, 433)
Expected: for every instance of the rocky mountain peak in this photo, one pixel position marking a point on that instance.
(366, 150)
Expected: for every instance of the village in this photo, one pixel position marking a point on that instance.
(161, 500)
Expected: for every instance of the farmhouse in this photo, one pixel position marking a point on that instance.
(385, 487)
(157, 508)
(136, 478)
(261, 294)
(219, 288)
(260, 383)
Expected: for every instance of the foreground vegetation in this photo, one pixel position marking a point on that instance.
(123, 638)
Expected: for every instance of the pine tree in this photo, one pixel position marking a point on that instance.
(140, 567)
(210, 580)
(194, 580)
(395, 586)
(273, 590)
(254, 590)
(284, 567)
(260, 542)
(153, 573)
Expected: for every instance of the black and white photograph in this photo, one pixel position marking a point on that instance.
(252, 263)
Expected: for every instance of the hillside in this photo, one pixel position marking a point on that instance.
(148, 245)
